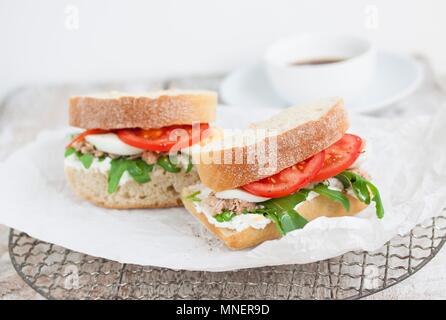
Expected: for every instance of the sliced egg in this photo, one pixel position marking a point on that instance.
(239, 194)
(110, 143)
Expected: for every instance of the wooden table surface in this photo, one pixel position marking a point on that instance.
(428, 283)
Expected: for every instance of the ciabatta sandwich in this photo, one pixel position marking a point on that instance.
(278, 175)
(133, 150)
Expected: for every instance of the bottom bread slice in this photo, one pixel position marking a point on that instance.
(162, 191)
(250, 237)
(236, 240)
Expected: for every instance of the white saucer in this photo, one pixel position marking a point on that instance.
(396, 77)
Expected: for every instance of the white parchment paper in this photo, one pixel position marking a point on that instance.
(406, 158)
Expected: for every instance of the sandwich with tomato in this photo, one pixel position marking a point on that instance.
(133, 150)
(315, 173)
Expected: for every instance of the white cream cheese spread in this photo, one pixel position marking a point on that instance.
(238, 223)
(101, 166)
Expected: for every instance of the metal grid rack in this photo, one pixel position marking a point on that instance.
(59, 273)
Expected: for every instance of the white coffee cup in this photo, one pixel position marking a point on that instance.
(313, 66)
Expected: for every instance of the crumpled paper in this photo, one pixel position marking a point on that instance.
(406, 158)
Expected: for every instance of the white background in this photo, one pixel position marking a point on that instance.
(53, 41)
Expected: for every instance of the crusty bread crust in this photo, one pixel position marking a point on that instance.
(292, 145)
(250, 237)
(154, 110)
(163, 191)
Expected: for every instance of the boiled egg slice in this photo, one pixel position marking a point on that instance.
(110, 143)
(240, 194)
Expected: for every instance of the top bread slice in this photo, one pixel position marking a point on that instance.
(116, 110)
(292, 136)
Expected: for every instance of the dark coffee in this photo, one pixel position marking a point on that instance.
(317, 61)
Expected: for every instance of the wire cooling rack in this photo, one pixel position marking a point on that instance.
(59, 273)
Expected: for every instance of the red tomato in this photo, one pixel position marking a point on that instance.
(82, 136)
(288, 180)
(340, 156)
(162, 139)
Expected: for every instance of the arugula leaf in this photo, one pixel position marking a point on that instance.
(69, 151)
(224, 216)
(362, 189)
(118, 167)
(86, 159)
(192, 197)
(377, 199)
(285, 221)
(139, 170)
(165, 163)
(291, 220)
(281, 211)
(334, 195)
(344, 180)
(357, 183)
(287, 202)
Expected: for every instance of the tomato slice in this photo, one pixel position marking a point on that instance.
(288, 180)
(340, 156)
(82, 136)
(163, 139)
